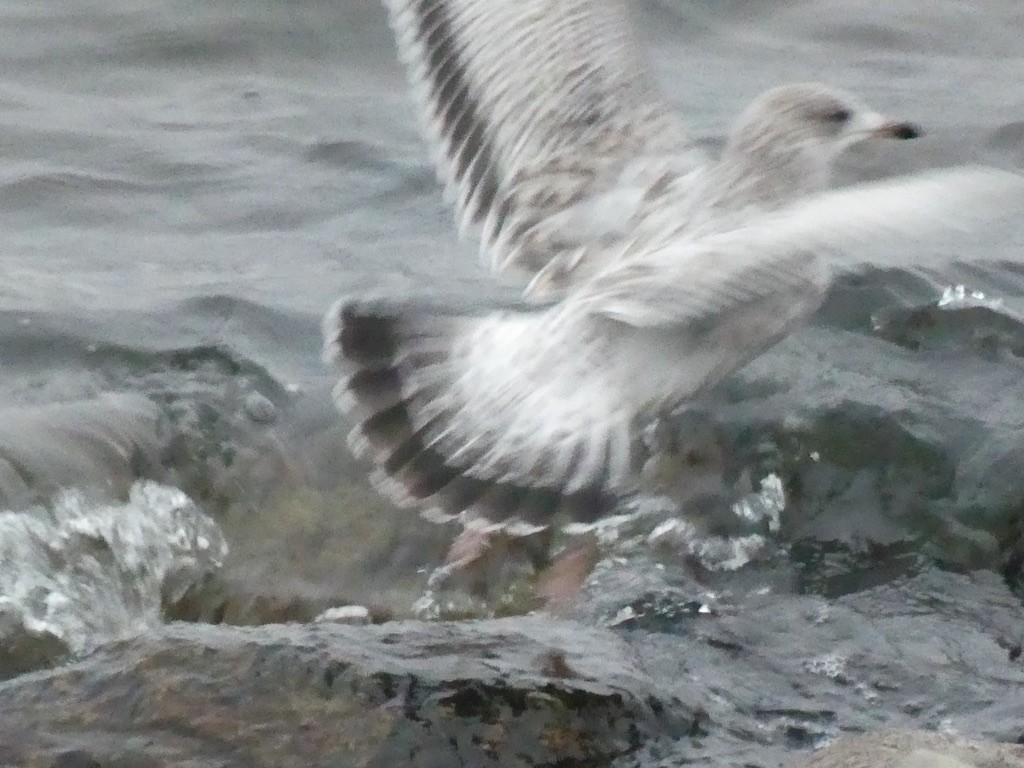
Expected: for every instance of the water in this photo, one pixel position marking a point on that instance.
(186, 186)
(85, 573)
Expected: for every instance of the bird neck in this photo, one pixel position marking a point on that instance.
(764, 177)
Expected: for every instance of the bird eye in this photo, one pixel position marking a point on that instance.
(838, 115)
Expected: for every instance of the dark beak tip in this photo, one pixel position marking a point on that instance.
(906, 131)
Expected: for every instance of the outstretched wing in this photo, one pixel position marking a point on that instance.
(545, 128)
(518, 415)
(795, 253)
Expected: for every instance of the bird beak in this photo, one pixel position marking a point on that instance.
(893, 130)
(882, 128)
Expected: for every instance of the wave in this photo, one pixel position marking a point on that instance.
(84, 572)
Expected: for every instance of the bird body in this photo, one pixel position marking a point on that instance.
(668, 270)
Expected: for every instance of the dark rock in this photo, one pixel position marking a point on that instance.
(24, 648)
(75, 758)
(513, 692)
(884, 446)
(308, 531)
(782, 673)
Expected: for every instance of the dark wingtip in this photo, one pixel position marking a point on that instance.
(362, 331)
(367, 338)
(388, 345)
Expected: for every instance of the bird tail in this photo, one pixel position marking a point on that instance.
(428, 423)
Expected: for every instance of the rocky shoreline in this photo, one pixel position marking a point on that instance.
(885, 605)
(936, 656)
(512, 692)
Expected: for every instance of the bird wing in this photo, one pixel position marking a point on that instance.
(546, 129)
(515, 416)
(509, 415)
(793, 255)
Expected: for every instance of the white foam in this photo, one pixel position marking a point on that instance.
(716, 553)
(960, 297)
(766, 504)
(87, 572)
(346, 614)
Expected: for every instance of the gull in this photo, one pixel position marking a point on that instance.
(655, 271)
(553, 143)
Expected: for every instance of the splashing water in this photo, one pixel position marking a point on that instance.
(717, 553)
(86, 573)
(728, 553)
(767, 504)
(959, 297)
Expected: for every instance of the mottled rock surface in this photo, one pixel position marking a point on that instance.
(914, 749)
(738, 682)
(779, 674)
(517, 692)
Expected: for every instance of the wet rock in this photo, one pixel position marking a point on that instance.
(516, 692)
(783, 674)
(307, 530)
(888, 443)
(914, 749)
(260, 409)
(746, 678)
(972, 328)
(26, 646)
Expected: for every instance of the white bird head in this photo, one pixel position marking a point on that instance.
(796, 131)
(812, 118)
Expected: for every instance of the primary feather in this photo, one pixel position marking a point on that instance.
(551, 140)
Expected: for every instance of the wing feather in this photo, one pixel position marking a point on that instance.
(802, 248)
(514, 423)
(549, 91)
